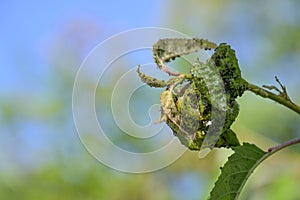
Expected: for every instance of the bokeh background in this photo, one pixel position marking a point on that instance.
(42, 45)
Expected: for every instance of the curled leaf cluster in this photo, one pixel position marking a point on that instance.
(202, 101)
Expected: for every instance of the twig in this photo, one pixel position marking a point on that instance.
(283, 145)
(278, 98)
(282, 93)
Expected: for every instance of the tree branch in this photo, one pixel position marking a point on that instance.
(283, 145)
(277, 98)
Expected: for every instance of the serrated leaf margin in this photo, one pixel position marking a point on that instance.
(221, 190)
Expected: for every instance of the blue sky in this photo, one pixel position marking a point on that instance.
(26, 76)
(27, 27)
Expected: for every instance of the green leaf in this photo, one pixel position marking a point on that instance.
(236, 171)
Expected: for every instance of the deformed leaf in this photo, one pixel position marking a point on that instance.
(166, 49)
(152, 82)
(236, 171)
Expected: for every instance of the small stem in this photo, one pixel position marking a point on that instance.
(279, 99)
(283, 145)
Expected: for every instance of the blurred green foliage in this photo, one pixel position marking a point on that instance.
(54, 165)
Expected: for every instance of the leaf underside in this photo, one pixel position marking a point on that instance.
(236, 171)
